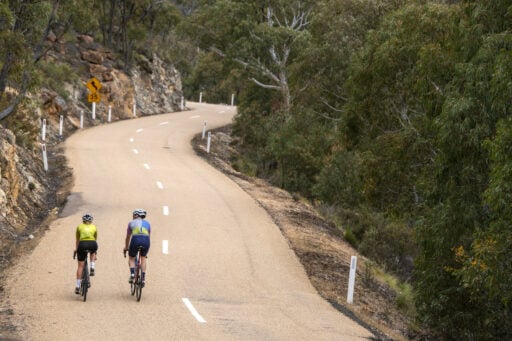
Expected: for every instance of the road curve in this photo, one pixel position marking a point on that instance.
(219, 268)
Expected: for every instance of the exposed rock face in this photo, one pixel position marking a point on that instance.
(29, 193)
(156, 86)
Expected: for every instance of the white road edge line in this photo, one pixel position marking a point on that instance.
(165, 247)
(195, 116)
(193, 310)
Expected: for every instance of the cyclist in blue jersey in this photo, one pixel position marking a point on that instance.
(138, 234)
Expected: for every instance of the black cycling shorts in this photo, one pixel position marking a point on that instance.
(135, 242)
(85, 245)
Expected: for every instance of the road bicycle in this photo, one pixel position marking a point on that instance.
(86, 280)
(137, 284)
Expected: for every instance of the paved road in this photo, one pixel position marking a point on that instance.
(226, 272)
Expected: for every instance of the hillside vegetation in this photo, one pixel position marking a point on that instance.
(391, 116)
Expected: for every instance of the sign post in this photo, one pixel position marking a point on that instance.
(352, 279)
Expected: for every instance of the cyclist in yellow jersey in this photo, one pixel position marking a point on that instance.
(86, 235)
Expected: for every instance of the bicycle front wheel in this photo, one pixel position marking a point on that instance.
(139, 289)
(85, 284)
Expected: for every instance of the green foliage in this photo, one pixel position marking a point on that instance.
(339, 181)
(456, 234)
(54, 76)
(391, 245)
(350, 237)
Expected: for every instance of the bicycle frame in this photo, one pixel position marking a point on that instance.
(137, 285)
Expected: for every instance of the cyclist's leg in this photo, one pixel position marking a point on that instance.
(81, 254)
(132, 252)
(144, 252)
(93, 246)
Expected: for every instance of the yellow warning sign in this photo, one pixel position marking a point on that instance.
(93, 85)
(93, 97)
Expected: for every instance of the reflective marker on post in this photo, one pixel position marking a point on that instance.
(60, 125)
(43, 130)
(45, 159)
(204, 129)
(209, 140)
(352, 279)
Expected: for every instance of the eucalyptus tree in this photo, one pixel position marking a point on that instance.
(464, 240)
(260, 37)
(24, 29)
(137, 25)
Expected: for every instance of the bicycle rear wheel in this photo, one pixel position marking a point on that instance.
(85, 282)
(139, 284)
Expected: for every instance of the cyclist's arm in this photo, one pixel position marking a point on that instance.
(77, 237)
(128, 236)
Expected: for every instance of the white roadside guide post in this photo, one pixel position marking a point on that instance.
(61, 123)
(232, 99)
(109, 113)
(204, 130)
(200, 97)
(43, 130)
(209, 141)
(45, 158)
(93, 110)
(352, 279)
(182, 106)
(134, 108)
(81, 119)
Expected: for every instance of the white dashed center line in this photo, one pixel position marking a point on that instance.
(159, 185)
(165, 247)
(146, 166)
(193, 310)
(139, 130)
(136, 151)
(166, 210)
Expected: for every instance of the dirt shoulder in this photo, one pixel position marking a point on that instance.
(324, 254)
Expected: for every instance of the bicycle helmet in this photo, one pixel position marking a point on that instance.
(139, 213)
(87, 218)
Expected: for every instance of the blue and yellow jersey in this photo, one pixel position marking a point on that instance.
(86, 232)
(139, 227)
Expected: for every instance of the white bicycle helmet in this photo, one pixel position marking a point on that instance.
(87, 218)
(140, 213)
